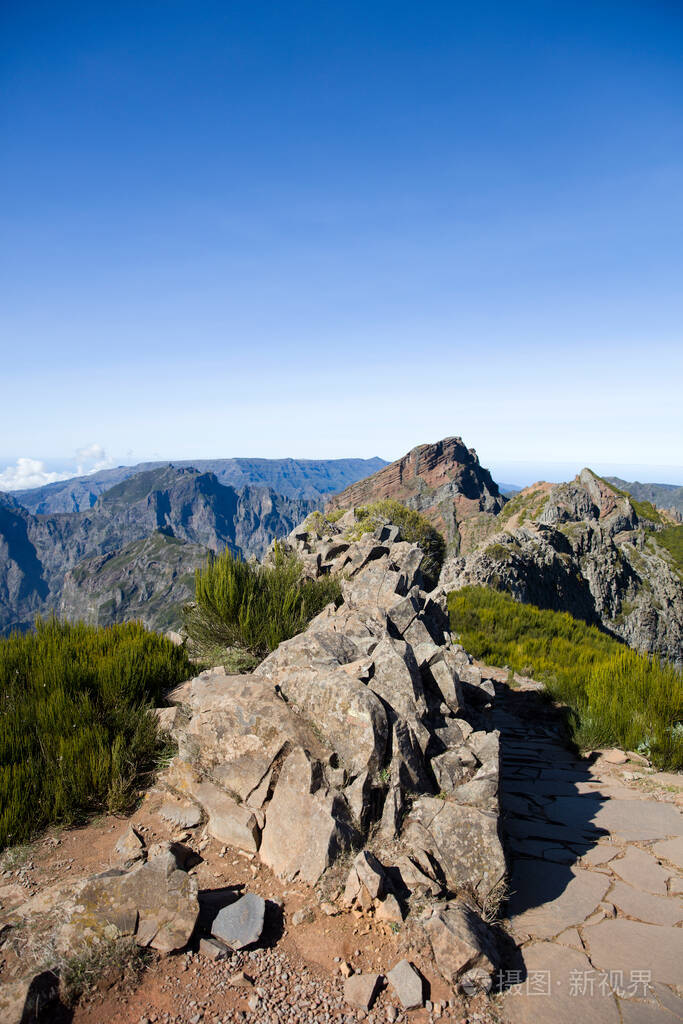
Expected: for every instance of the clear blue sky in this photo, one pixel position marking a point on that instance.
(327, 229)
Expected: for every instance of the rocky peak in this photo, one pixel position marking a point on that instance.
(443, 481)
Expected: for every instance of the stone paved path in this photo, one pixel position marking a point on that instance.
(596, 879)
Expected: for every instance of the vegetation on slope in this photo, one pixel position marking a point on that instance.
(671, 538)
(415, 529)
(618, 696)
(247, 609)
(76, 731)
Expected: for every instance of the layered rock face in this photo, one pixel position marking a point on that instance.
(443, 481)
(369, 723)
(582, 547)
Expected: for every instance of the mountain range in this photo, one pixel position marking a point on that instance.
(293, 478)
(125, 543)
(41, 550)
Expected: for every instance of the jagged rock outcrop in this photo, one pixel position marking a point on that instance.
(350, 730)
(583, 547)
(443, 481)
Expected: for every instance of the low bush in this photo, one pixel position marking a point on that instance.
(619, 697)
(415, 529)
(76, 730)
(247, 609)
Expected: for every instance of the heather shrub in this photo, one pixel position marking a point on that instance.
(76, 729)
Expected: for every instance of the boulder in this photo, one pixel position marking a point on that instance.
(229, 822)
(156, 902)
(241, 923)
(407, 984)
(360, 990)
(463, 840)
(463, 945)
(129, 849)
(306, 826)
(234, 728)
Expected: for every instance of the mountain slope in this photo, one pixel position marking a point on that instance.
(665, 496)
(443, 481)
(293, 478)
(36, 551)
(586, 548)
(149, 579)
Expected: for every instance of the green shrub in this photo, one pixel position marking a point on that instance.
(415, 529)
(248, 608)
(76, 731)
(619, 696)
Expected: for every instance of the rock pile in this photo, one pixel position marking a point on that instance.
(365, 725)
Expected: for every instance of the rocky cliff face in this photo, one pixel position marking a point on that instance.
(443, 481)
(149, 579)
(37, 551)
(583, 547)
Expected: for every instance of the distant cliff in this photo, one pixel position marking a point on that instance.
(588, 548)
(444, 481)
(292, 478)
(36, 551)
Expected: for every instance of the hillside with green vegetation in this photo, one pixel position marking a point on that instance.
(76, 729)
(618, 697)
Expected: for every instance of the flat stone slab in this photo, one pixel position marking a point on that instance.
(185, 815)
(640, 869)
(553, 991)
(633, 1012)
(671, 850)
(639, 819)
(664, 910)
(620, 945)
(360, 990)
(407, 984)
(241, 923)
(548, 898)
(603, 853)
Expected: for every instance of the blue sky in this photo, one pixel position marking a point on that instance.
(329, 229)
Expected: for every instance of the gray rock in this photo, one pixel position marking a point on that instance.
(306, 826)
(407, 984)
(183, 814)
(129, 849)
(360, 990)
(241, 923)
(462, 944)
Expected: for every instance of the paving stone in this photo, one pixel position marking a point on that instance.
(603, 853)
(549, 994)
(669, 999)
(618, 944)
(633, 1012)
(671, 850)
(549, 898)
(640, 819)
(407, 984)
(664, 910)
(640, 869)
(570, 938)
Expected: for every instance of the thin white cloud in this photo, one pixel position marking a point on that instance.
(28, 472)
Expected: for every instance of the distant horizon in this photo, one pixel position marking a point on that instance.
(519, 473)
